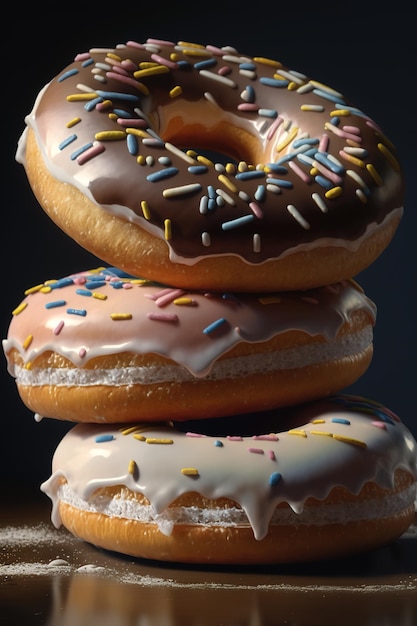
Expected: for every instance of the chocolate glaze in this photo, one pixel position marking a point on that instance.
(283, 182)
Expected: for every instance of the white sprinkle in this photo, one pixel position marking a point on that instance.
(181, 190)
(100, 78)
(179, 153)
(210, 98)
(357, 178)
(320, 202)
(217, 77)
(297, 216)
(226, 197)
(256, 242)
(206, 239)
(361, 196)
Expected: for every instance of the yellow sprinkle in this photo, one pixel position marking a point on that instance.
(115, 57)
(189, 471)
(291, 135)
(190, 44)
(157, 440)
(371, 169)
(132, 467)
(175, 91)
(340, 113)
(334, 192)
(27, 342)
(33, 289)
(145, 210)
(121, 316)
(168, 231)
(184, 300)
(99, 296)
(145, 64)
(266, 61)
(270, 300)
(318, 421)
(230, 168)
(80, 97)
(292, 86)
(141, 159)
(131, 429)
(106, 104)
(29, 365)
(113, 116)
(388, 155)
(312, 107)
(19, 308)
(321, 432)
(45, 289)
(301, 432)
(196, 52)
(355, 442)
(139, 437)
(228, 183)
(352, 159)
(205, 160)
(73, 122)
(110, 135)
(138, 132)
(150, 71)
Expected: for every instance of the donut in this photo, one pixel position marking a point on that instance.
(203, 168)
(317, 481)
(104, 346)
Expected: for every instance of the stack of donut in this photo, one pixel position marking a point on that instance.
(232, 201)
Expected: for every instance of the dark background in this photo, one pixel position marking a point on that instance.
(366, 52)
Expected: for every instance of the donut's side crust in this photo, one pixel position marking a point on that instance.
(126, 245)
(237, 545)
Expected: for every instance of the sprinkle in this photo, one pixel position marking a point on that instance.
(185, 301)
(318, 421)
(58, 327)
(27, 342)
(334, 192)
(312, 107)
(256, 450)
(89, 152)
(163, 317)
(20, 308)
(139, 437)
(189, 471)
(66, 142)
(321, 432)
(219, 78)
(158, 440)
(228, 183)
(162, 174)
(218, 443)
(121, 316)
(132, 467)
(234, 438)
(103, 438)
(256, 242)
(55, 304)
(110, 135)
(82, 352)
(373, 172)
(355, 442)
(214, 326)
(292, 210)
(145, 209)
(181, 190)
(206, 239)
(340, 420)
(295, 431)
(179, 153)
(257, 211)
(381, 425)
(167, 229)
(67, 74)
(389, 156)
(99, 296)
(83, 292)
(271, 455)
(273, 82)
(80, 312)
(320, 202)
(237, 222)
(274, 479)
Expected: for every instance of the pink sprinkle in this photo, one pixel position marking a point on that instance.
(169, 296)
(381, 425)
(234, 438)
(190, 434)
(127, 286)
(324, 142)
(83, 56)
(265, 437)
(117, 68)
(352, 129)
(306, 178)
(125, 79)
(82, 352)
(256, 209)
(224, 70)
(80, 280)
(102, 106)
(96, 149)
(272, 129)
(247, 106)
(58, 328)
(271, 455)
(163, 317)
(129, 65)
(157, 42)
(135, 44)
(215, 49)
(256, 450)
(158, 59)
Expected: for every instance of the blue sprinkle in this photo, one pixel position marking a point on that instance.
(55, 304)
(311, 141)
(117, 284)
(94, 283)
(247, 66)
(132, 144)
(218, 443)
(202, 65)
(279, 181)
(322, 158)
(324, 182)
(103, 438)
(122, 113)
(164, 160)
(83, 292)
(67, 141)
(91, 104)
(214, 326)
(211, 205)
(250, 94)
(198, 169)
(260, 193)
(87, 63)
(335, 121)
(278, 169)
(115, 95)
(238, 222)
(77, 153)
(67, 75)
(81, 312)
(62, 282)
(162, 174)
(211, 191)
(274, 479)
(184, 65)
(328, 96)
(268, 113)
(114, 271)
(250, 175)
(273, 82)
(340, 420)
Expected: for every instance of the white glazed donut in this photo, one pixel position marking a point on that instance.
(116, 153)
(325, 479)
(103, 346)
